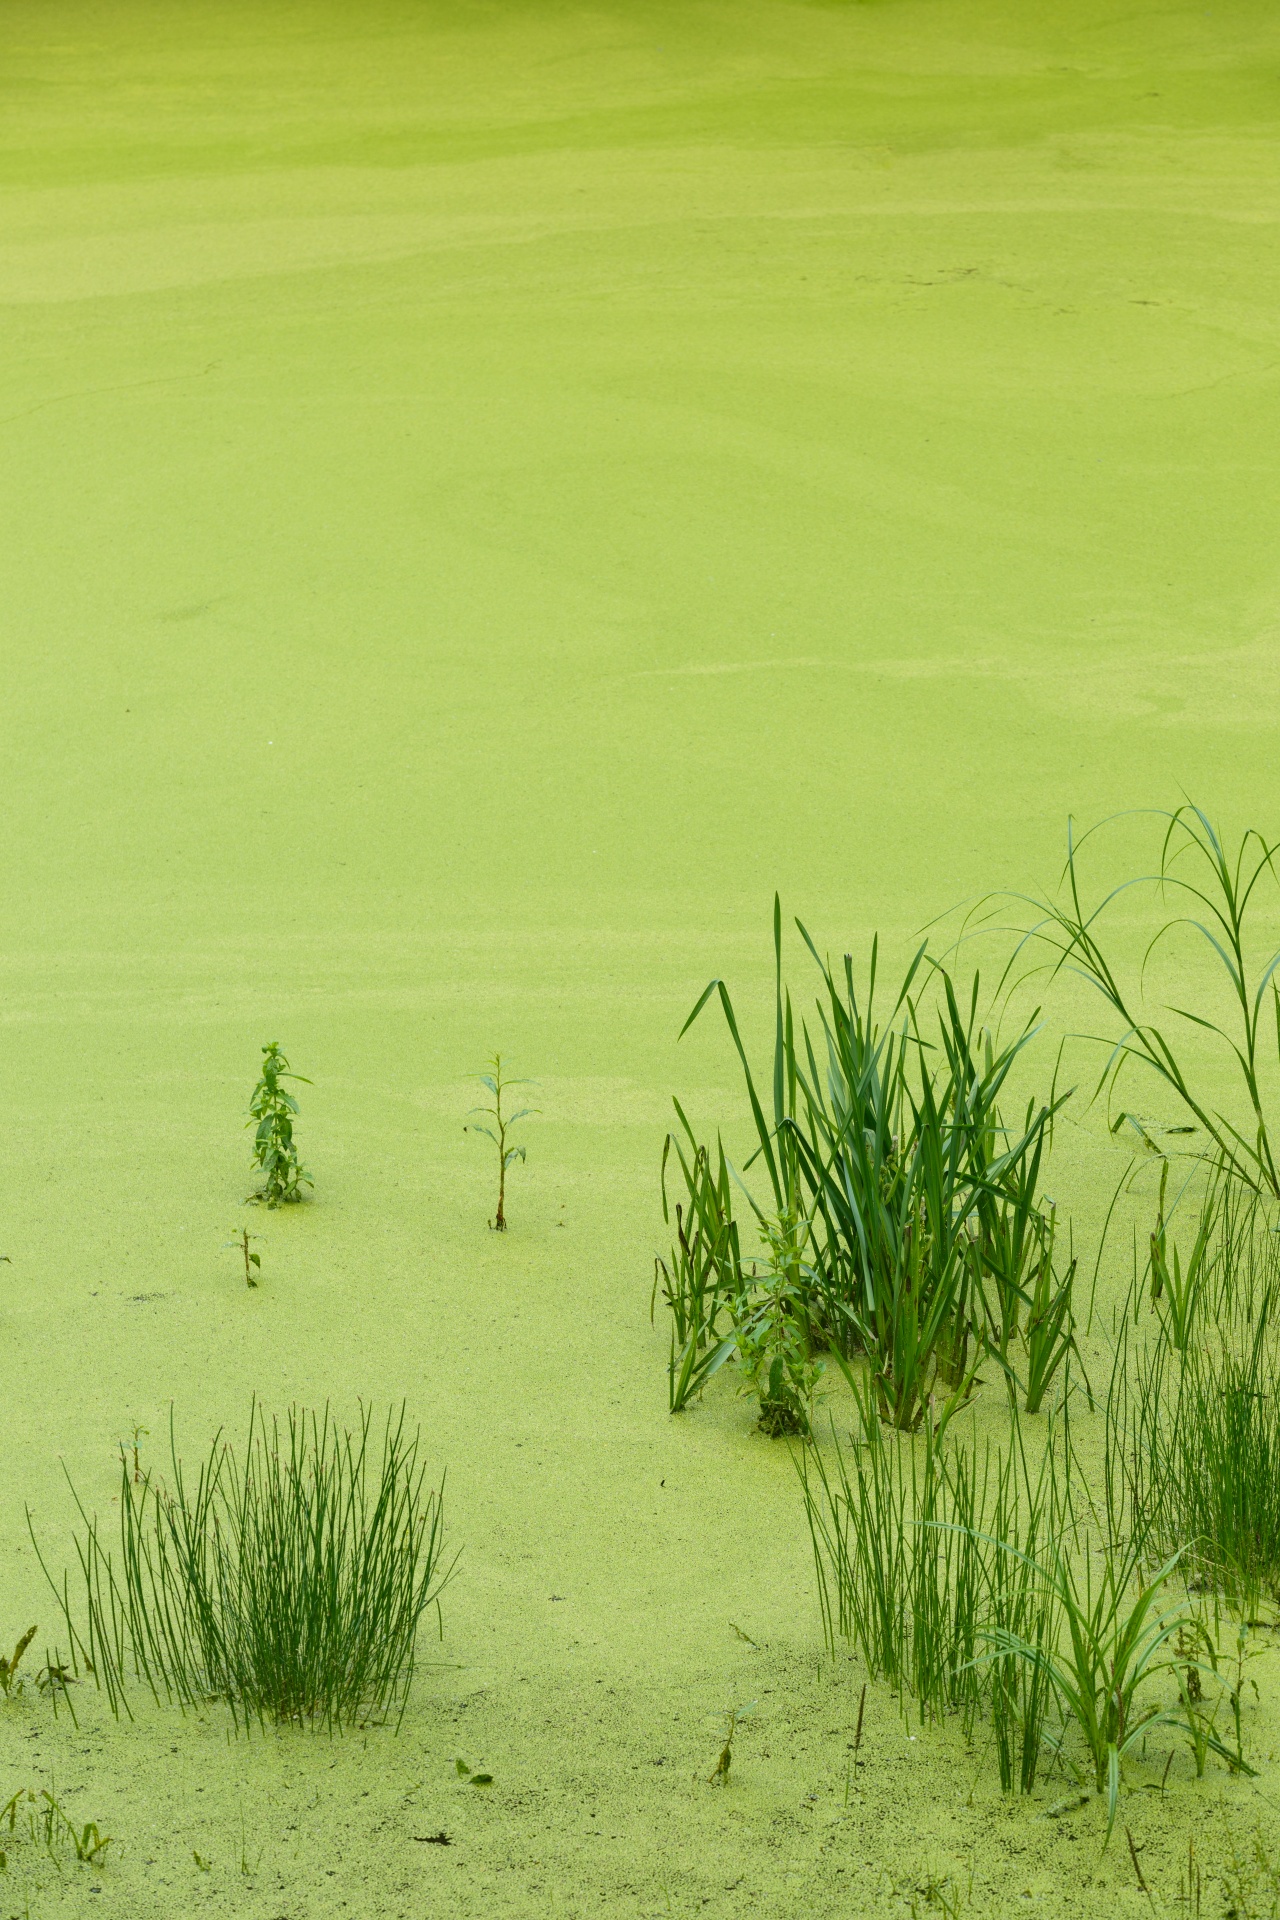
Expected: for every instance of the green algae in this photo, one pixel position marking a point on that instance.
(820, 447)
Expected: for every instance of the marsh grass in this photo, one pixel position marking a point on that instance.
(923, 1238)
(1116, 1622)
(1193, 1429)
(965, 1580)
(41, 1818)
(1216, 890)
(703, 1279)
(922, 1557)
(288, 1580)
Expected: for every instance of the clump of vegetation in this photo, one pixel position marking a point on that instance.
(1193, 1439)
(496, 1084)
(272, 1111)
(918, 1239)
(771, 1334)
(922, 1558)
(289, 1581)
(966, 1582)
(40, 1818)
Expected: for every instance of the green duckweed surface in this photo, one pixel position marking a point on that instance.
(490, 493)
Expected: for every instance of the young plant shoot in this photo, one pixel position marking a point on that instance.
(271, 1114)
(497, 1126)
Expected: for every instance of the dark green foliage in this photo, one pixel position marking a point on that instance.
(917, 1234)
(289, 1581)
(922, 1557)
(705, 1278)
(1193, 1430)
(271, 1114)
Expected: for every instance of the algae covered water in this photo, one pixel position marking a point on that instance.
(491, 494)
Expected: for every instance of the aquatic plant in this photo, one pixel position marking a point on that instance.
(719, 1775)
(271, 1113)
(919, 1206)
(1117, 1626)
(704, 1278)
(919, 1555)
(497, 1085)
(1049, 1338)
(42, 1819)
(1178, 1295)
(1192, 1419)
(289, 1581)
(771, 1333)
(1217, 888)
(252, 1261)
(10, 1680)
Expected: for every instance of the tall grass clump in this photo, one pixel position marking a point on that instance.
(1193, 1423)
(288, 1580)
(900, 1214)
(965, 1580)
(925, 1559)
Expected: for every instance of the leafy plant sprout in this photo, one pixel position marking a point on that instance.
(271, 1113)
(9, 1681)
(719, 1775)
(252, 1261)
(133, 1445)
(497, 1084)
(772, 1333)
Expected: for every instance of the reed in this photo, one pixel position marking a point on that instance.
(921, 1556)
(919, 1206)
(1192, 1420)
(704, 1280)
(1114, 1635)
(1216, 890)
(288, 1581)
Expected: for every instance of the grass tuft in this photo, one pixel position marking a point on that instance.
(288, 1581)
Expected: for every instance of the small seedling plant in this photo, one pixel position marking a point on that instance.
(252, 1261)
(133, 1445)
(470, 1776)
(47, 1824)
(496, 1085)
(272, 1111)
(10, 1684)
(719, 1775)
